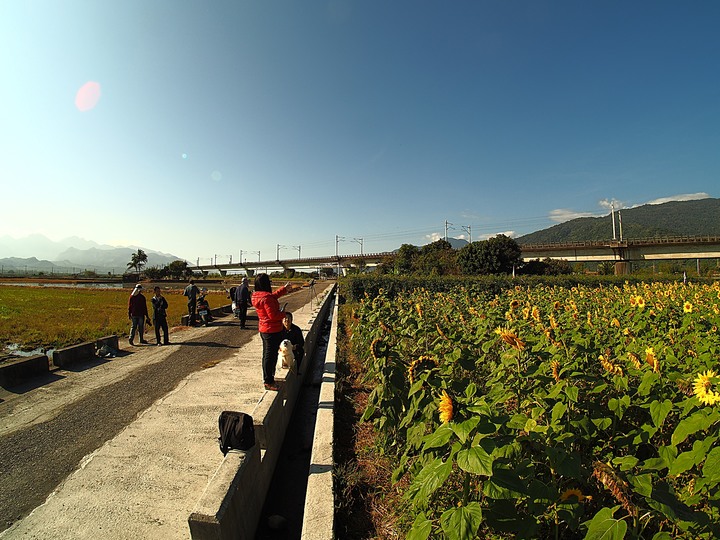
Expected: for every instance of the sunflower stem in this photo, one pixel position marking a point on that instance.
(466, 488)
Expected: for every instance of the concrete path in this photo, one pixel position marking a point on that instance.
(145, 481)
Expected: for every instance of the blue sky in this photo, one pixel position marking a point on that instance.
(228, 126)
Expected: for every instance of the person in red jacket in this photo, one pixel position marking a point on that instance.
(270, 324)
(137, 313)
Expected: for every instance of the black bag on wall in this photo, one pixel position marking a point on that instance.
(236, 431)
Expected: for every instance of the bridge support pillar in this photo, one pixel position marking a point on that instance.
(622, 268)
(223, 273)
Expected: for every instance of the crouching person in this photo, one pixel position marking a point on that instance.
(294, 334)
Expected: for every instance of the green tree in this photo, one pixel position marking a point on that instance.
(497, 255)
(436, 259)
(156, 272)
(405, 259)
(178, 269)
(606, 268)
(386, 265)
(137, 260)
(558, 267)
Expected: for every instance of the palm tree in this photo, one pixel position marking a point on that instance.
(137, 260)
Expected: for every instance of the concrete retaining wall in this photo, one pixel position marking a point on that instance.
(14, 372)
(83, 352)
(69, 356)
(231, 505)
(319, 514)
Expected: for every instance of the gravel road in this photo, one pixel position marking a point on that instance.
(36, 457)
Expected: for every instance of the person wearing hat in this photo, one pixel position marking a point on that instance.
(242, 300)
(138, 314)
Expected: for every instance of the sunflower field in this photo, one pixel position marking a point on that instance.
(549, 412)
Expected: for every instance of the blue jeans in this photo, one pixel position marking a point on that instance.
(137, 323)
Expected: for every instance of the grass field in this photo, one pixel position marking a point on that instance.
(54, 317)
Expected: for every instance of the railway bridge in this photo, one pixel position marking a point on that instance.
(618, 251)
(641, 249)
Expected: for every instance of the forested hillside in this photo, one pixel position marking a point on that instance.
(683, 218)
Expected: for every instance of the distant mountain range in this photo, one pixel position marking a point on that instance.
(678, 218)
(40, 253)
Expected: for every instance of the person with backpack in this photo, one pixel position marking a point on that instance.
(191, 291)
(160, 306)
(270, 326)
(242, 300)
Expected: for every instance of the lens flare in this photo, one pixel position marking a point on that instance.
(88, 96)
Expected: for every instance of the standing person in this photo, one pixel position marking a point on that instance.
(137, 313)
(191, 291)
(160, 306)
(270, 319)
(294, 334)
(242, 299)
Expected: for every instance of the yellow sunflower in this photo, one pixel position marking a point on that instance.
(555, 366)
(652, 360)
(610, 366)
(568, 493)
(687, 307)
(640, 302)
(635, 360)
(553, 322)
(702, 388)
(509, 337)
(445, 408)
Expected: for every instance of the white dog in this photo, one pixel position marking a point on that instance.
(286, 358)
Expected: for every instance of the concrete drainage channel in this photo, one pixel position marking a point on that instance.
(260, 493)
(284, 509)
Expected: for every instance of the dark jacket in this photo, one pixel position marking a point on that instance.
(242, 295)
(160, 306)
(137, 306)
(267, 307)
(296, 338)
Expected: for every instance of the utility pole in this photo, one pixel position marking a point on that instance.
(448, 225)
(612, 215)
(298, 248)
(359, 241)
(620, 221)
(467, 229)
(338, 239)
(337, 254)
(241, 256)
